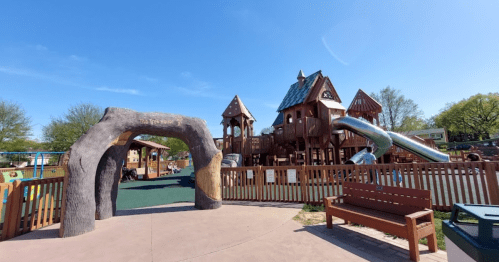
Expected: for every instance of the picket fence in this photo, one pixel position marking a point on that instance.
(463, 182)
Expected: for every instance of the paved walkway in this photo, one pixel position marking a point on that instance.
(235, 232)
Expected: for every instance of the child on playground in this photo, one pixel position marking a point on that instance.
(394, 172)
(370, 159)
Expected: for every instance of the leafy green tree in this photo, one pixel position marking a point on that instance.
(62, 132)
(478, 114)
(412, 123)
(398, 112)
(14, 125)
(176, 145)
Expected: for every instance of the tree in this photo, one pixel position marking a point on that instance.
(398, 112)
(267, 130)
(412, 123)
(14, 125)
(61, 133)
(478, 114)
(176, 145)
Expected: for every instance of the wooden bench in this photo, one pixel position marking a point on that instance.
(403, 212)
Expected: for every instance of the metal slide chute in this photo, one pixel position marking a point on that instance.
(371, 132)
(384, 139)
(418, 149)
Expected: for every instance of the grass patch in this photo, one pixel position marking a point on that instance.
(311, 215)
(311, 208)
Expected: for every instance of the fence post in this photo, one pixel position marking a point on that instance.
(63, 201)
(462, 156)
(13, 211)
(416, 176)
(302, 184)
(259, 183)
(357, 175)
(492, 185)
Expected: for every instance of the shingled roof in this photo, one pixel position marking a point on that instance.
(362, 102)
(236, 107)
(279, 119)
(296, 94)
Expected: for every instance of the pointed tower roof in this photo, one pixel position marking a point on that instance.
(301, 74)
(362, 102)
(296, 94)
(236, 107)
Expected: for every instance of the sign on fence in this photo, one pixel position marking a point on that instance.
(249, 174)
(270, 175)
(291, 175)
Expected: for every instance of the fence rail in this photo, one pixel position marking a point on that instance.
(463, 182)
(28, 172)
(30, 205)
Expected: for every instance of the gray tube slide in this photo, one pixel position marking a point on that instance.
(384, 139)
(418, 149)
(365, 129)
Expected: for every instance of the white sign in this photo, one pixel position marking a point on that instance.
(270, 175)
(291, 175)
(249, 174)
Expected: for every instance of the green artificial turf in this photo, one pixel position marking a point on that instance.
(158, 191)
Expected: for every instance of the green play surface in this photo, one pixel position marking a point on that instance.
(159, 191)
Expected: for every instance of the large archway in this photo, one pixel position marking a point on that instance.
(93, 169)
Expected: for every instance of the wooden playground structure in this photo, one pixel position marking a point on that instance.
(147, 167)
(302, 130)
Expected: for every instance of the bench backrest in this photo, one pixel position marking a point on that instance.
(395, 200)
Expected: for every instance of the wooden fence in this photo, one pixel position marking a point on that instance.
(464, 182)
(30, 205)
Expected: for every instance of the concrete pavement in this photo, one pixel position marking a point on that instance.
(178, 232)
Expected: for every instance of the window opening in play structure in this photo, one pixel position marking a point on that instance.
(289, 119)
(298, 114)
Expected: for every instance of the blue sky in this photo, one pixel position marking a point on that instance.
(192, 57)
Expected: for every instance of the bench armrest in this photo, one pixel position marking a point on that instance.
(419, 214)
(328, 200)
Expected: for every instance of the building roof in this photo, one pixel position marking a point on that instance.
(296, 94)
(301, 74)
(236, 107)
(150, 144)
(362, 102)
(332, 104)
(279, 119)
(426, 131)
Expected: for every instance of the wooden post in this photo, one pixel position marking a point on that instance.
(492, 185)
(462, 156)
(146, 172)
(416, 175)
(140, 157)
(225, 140)
(13, 211)
(158, 158)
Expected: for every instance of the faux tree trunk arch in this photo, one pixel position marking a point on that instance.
(93, 168)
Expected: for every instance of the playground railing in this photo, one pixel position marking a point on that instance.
(28, 172)
(30, 205)
(463, 182)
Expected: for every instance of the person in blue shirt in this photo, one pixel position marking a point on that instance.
(396, 172)
(370, 159)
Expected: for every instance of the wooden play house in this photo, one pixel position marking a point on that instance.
(151, 165)
(302, 129)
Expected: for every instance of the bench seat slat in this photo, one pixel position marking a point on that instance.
(391, 190)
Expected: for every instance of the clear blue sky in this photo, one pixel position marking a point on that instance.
(192, 57)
